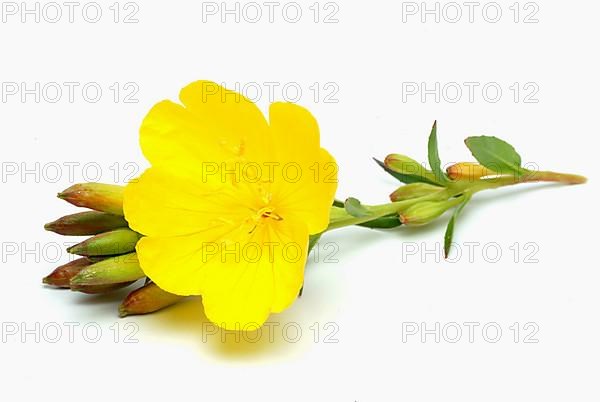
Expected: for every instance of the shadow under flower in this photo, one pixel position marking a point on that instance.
(278, 337)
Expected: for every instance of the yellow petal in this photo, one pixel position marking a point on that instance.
(160, 203)
(289, 274)
(242, 276)
(294, 134)
(177, 264)
(310, 199)
(238, 294)
(309, 195)
(214, 125)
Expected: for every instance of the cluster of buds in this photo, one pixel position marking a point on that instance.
(431, 194)
(107, 260)
(427, 193)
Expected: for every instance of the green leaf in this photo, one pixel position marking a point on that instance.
(433, 155)
(355, 208)
(495, 154)
(450, 229)
(405, 178)
(385, 222)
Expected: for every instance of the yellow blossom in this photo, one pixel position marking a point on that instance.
(230, 201)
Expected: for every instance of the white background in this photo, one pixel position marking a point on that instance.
(378, 287)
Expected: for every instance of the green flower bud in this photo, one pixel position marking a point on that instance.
(118, 241)
(86, 223)
(97, 196)
(468, 171)
(119, 269)
(424, 212)
(414, 190)
(147, 299)
(99, 289)
(410, 169)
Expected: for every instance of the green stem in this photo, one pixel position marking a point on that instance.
(548, 176)
(340, 218)
(528, 177)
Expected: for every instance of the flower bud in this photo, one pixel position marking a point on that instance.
(118, 241)
(147, 299)
(97, 196)
(86, 223)
(99, 289)
(62, 275)
(406, 166)
(414, 190)
(424, 212)
(119, 269)
(468, 171)
(98, 258)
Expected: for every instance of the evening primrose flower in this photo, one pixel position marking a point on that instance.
(230, 201)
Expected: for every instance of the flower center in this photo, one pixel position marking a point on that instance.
(261, 216)
(268, 212)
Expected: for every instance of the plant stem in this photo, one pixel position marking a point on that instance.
(547, 176)
(340, 218)
(508, 180)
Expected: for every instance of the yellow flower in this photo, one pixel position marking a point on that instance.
(230, 201)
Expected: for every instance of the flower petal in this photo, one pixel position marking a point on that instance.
(237, 294)
(215, 125)
(160, 203)
(242, 276)
(294, 133)
(309, 194)
(175, 264)
(310, 198)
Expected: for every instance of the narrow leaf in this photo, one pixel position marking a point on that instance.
(433, 154)
(495, 154)
(405, 178)
(450, 229)
(385, 222)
